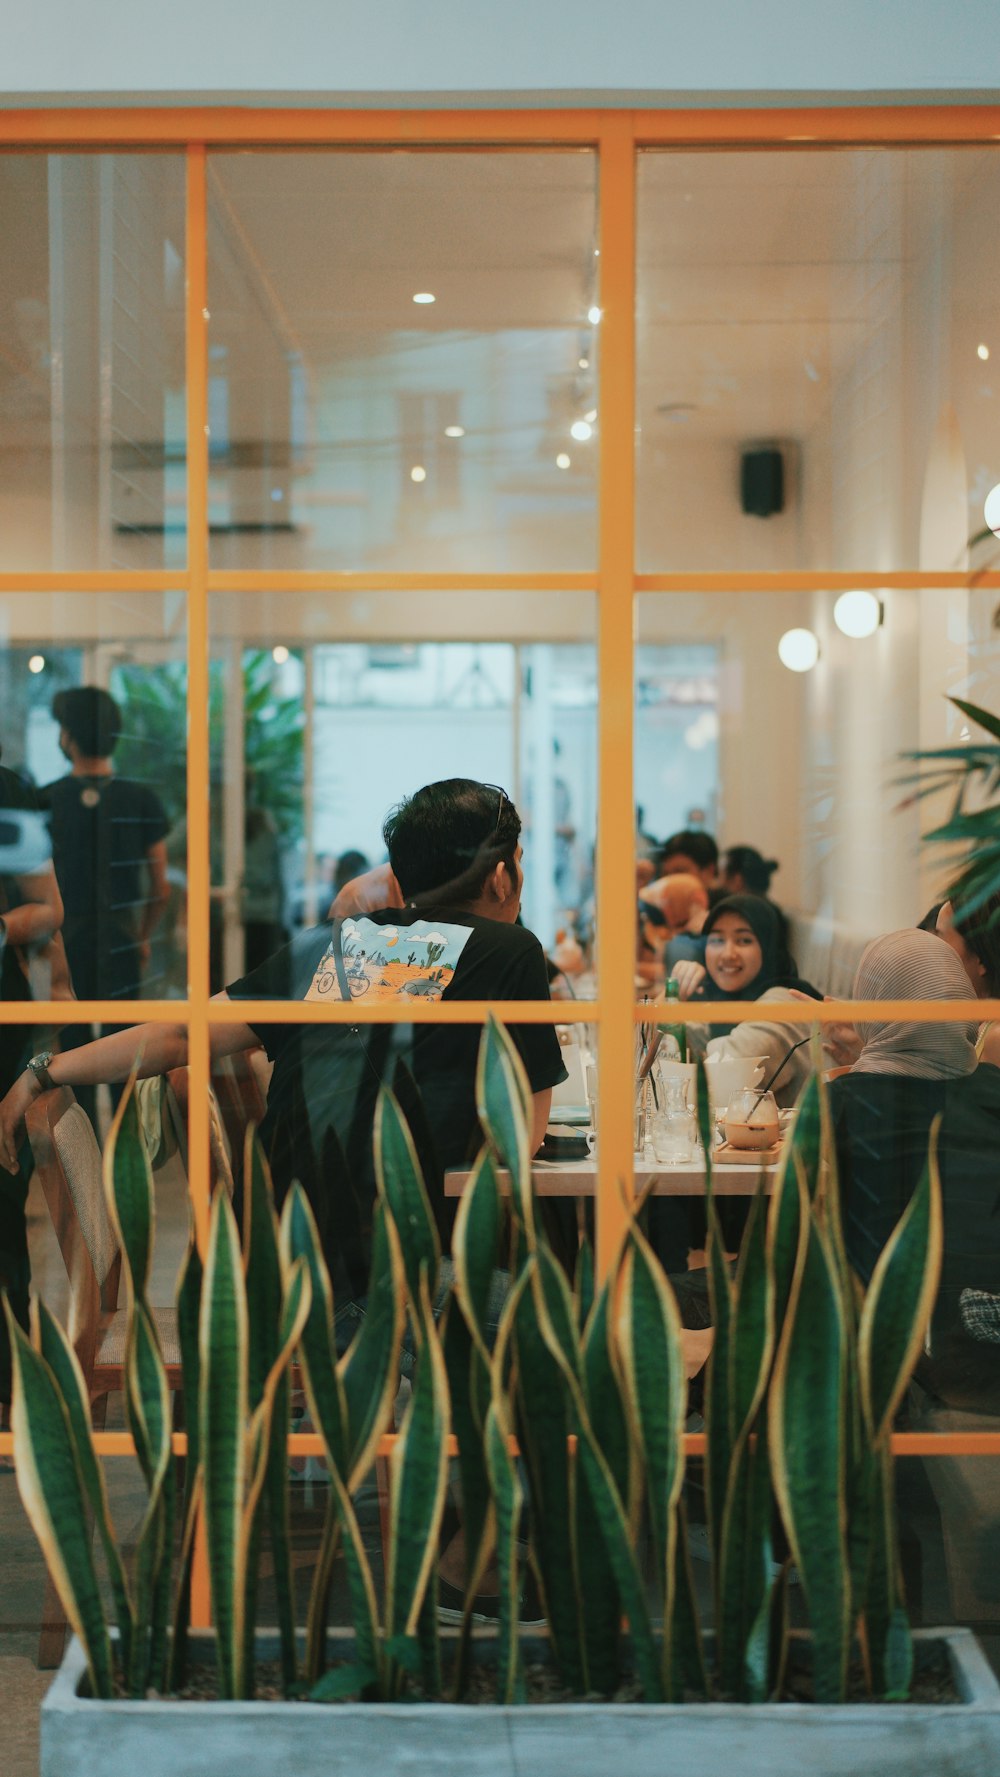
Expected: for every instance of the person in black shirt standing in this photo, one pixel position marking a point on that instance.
(108, 844)
(30, 915)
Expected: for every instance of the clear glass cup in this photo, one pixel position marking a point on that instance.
(673, 1130)
(752, 1119)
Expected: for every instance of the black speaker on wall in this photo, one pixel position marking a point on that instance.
(762, 482)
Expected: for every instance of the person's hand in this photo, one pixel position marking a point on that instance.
(840, 1040)
(24, 1089)
(990, 1051)
(689, 977)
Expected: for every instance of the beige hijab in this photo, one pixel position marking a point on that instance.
(914, 965)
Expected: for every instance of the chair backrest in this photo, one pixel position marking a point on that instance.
(240, 1101)
(68, 1161)
(221, 1162)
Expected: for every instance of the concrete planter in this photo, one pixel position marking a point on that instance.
(80, 1735)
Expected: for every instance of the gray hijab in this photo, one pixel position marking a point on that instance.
(914, 965)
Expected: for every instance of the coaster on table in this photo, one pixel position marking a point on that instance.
(747, 1156)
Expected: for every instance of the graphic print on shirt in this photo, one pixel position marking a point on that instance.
(387, 962)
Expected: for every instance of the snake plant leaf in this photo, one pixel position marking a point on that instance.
(369, 1369)
(898, 1658)
(503, 1101)
(341, 1682)
(475, 1247)
(806, 1434)
(555, 1317)
(597, 1584)
(983, 718)
(805, 1140)
(468, 1384)
(882, 1592)
(508, 1495)
(741, 1574)
(318, 1348)
(418, 1469)
(128, 1187)
(148, 1405)
(655, 1391)
(261, 1264)
(688, 1672)
(53, 1346)
(319, 1592)
(543, 1427)
(224, 1341)
(55, 1499)
(188, 1300)
(583, 1283)
(402, 1189)
(900, 1298)
(786, 1228)
(718, 1441)
(296, 1299)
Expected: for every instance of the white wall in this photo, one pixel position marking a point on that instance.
(556, 50)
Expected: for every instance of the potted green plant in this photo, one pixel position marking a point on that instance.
(588, 1385)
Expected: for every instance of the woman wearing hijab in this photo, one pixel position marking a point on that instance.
(746, 959)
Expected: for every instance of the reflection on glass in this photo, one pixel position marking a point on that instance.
(403, 374)
(93, 723)
(816, 358)
(327, 736)
(92, 361)
(805, 777)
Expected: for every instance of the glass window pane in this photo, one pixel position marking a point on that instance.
(400, 348)
(92, 438)
(817, 358)
(93, 729)
(328, 711)
(809, 768)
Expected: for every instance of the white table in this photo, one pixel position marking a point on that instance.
(578, 1178)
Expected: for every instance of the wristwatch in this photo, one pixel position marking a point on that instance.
(39, 1066)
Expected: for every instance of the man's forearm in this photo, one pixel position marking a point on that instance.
(110, 1059)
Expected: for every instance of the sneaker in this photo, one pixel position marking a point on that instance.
(486, 1606)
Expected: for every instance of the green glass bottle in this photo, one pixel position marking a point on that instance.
(677, 1031)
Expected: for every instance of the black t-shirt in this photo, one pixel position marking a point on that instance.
(882, 1127)
(24, 851)
(102, 830)
(326, 1078)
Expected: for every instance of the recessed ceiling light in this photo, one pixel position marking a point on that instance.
(983, 352)
(594, 315)
(584, 363)
(597, 252)
(424, 296)
(454, 431)
(581, 431)
(279, 654)
(37, 662)
(418, 472)
(563, 461)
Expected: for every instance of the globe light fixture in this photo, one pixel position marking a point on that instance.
(279, 654)
(991, 510)
(983, 352)
(418, 472)
(454, 431)
(857, 614)
(581, 430)
(37, 663)
(798, 649)
(563, 460)
(593, 315)
(424, 296)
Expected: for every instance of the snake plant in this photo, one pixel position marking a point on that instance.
(569, 1419)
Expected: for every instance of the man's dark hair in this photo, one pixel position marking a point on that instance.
(755, 869)
(699, 847)
(91, 718)
(446, 838)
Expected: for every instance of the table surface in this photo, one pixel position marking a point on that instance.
(578, 1178)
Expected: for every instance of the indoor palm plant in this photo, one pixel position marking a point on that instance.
(587, 1382)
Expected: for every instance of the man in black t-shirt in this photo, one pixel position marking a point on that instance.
(108, 842)
(455, 854)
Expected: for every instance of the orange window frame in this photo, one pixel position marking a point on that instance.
(616, 136)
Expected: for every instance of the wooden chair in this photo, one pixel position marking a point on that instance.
(68, 1161)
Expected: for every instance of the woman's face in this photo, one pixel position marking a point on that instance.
(733, 956)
